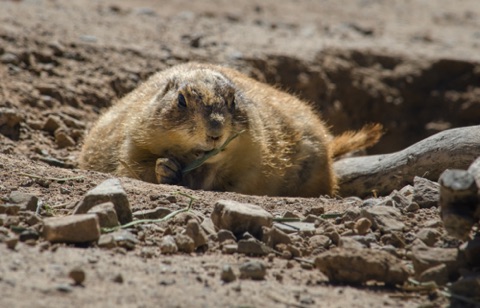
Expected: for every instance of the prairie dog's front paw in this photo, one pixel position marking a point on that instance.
(168, 171)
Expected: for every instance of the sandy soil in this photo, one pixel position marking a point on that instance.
(411, 65)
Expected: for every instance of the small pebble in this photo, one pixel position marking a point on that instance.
(362, 226)
(78, 275)
(255, 270)
(227, 274)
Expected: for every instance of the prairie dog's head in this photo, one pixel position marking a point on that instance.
(198, 110)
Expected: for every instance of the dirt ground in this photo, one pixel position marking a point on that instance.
(411, 65)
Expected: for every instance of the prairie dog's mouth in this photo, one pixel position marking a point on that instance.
(199, 153)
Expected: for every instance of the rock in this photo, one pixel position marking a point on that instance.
(468, 286)
(362, 226)
(184, 243)
(11, 242)
(230, 248)
(438, 273)
(396, 239)
(412, 207)
(320, 241)
(316, 210)
(350, 243)
(365, 240)
(52, 123)
(295, 226)
(27, 202)
(255, 270)
(28, 234)
(253, 247)
(240, 217)
(109, 190)
(428, 235)
(407, 191)
(425, 192)
(106, 241)
(196, 233)
(107, 217)
(225, 235)
(384, 218)
(400, 199)
(208, 226)
(72, 229)
(63, 139)
(459, 202)
(274, 236)
(9, 209)
(474, 170)
(125, 239)
(351, 214)
(227, 275)
(9, 58)
(168, 245)
(10, 120)
(78, 275)
(357, 266)
(424, 258)
(156, 213)
(325, 227)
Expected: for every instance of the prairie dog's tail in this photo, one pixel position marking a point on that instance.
(351, 141)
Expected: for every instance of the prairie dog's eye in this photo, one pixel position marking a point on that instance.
(182, 102)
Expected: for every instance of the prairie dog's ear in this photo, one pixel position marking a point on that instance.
(168, 85)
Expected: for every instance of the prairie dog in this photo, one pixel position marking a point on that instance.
(181, 113)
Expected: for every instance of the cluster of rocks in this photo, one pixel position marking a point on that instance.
(376, 240)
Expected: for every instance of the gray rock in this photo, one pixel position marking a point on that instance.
(11, 242)
(72, 229)
(428, 235)
(26, 201)
(156, 213)
(384, 218)
(196, 233)
(9, 58)
(400, 200)
(255, 270)
(351, 214)
(407, 192)
(425, 192)
(168, 245)
(107, 217)
(365, 240)
(225, 235)
(109, 190)
(240, 217)
(357, 266)
(424, 258)
(253, 247)
(227, 275)
(184, 243)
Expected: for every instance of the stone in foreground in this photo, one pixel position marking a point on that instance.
(72, 229)
(357, 266)
(108, 191)
(240, 217)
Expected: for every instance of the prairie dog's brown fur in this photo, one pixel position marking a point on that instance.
(180, 113)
